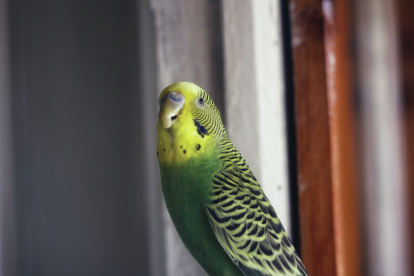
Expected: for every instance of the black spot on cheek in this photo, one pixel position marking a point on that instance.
(198, 147)
(181, 147)
(184, 151)
(164, 149)
(200, 128)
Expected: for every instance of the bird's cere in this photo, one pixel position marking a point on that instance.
(171, 104)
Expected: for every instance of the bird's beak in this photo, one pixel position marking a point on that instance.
(171, 104)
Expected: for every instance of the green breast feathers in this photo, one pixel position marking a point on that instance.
(216, 204)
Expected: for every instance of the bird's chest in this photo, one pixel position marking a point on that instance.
(187, 190)
(187, 209)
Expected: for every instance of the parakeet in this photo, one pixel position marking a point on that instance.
(215, 202)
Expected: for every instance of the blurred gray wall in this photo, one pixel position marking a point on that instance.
(7, 210)
(78, 144)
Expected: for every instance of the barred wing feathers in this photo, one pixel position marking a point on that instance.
(245, 223)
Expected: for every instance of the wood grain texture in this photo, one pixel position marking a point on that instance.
(406, 25)
(341, 117)
(313, 140)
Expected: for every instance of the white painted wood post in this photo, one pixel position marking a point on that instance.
(383, 176)
(255, 103)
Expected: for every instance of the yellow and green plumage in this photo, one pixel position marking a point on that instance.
(215, 202)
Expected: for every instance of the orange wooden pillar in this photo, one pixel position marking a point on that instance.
(326, 176)
(313, 140)
(342, 135)
(406, 24)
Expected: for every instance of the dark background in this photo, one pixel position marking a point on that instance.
(79, 163)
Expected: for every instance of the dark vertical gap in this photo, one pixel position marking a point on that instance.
(8, 260)
(17, 14)
(291, 126)
(406, 57)
(357, 105)
(218, 53)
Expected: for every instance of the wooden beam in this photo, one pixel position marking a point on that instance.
(313, 137)
(340, 107)
(406, 25)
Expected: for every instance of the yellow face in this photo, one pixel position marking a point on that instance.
(189, 124)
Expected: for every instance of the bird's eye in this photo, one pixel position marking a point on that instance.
(200, 102)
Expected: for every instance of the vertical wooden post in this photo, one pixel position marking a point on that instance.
(313, 137)
(339, 88)
(406, 24)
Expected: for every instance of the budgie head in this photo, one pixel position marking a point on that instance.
(189, 124)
